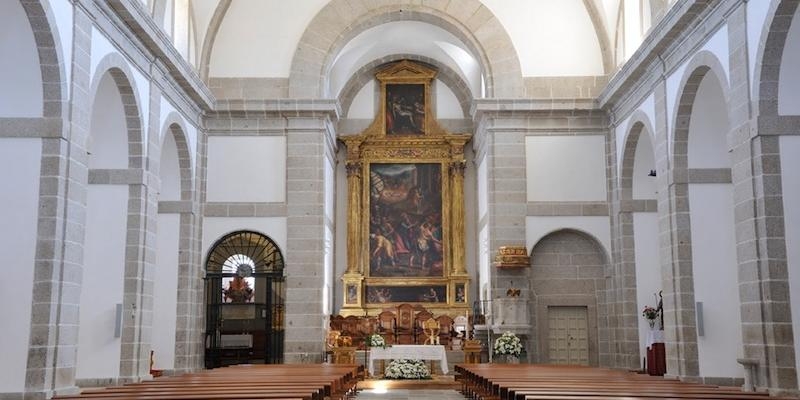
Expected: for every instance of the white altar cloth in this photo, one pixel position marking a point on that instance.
(408, 352)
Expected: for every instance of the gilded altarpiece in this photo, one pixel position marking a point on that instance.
(405, 218)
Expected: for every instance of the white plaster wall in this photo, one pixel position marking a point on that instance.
(62, 12)
(714, 266)
(165, 290)
(104, 266)
(272, 28)
(108, 139)
(598, 227)
(246, 169)
(790, 170)
(19, 169)
(483, 190)
(484, 270)
(365, 102)
(648, 268)
(214, 228)
(552, 37)
(789, 82)
(566, 168)
(20, 76)
(327, 274)
(708, 127)
(644, 186)
(447, 105)
(169, 170)
(330, 187)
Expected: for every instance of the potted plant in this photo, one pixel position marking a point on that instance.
(651, 315)
(407, 369)
(508, 345)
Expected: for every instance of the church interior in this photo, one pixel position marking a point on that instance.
(190, 184)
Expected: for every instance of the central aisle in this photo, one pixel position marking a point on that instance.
(403, 394)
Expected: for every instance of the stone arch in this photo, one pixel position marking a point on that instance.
(366, 73)
(770, 55)
(332, 28)
(211, 36)
(116, 66)
(638, 123)
(606, 51)
(51, 59)
(175, 126)
(698, 67)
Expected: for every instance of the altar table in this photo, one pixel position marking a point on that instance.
(408, 352)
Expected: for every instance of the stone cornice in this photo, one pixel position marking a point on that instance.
(685, 27)
(521, 107)
(144, 29)
(276, 107)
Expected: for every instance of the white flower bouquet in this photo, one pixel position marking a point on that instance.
(376, 340)
(407, 369)
(509, 344)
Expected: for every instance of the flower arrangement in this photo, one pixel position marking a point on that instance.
(509, 344)
(376, 340)
(407, 369)
(650, 314)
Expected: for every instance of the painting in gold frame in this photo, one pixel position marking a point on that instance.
(405, 109)
(405, 215)
(382, 294)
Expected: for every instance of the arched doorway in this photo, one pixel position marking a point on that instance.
(244, 301)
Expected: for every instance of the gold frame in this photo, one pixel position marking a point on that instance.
(435, 146)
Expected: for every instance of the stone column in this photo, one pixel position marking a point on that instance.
(457, 216)
(353, 217)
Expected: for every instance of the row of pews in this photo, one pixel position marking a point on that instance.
(552, 382)
(290, 381)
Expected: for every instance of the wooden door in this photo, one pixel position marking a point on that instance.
(568, 336)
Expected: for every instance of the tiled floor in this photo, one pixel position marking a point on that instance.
(407, 394)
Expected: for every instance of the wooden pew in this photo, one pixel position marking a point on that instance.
(292, 381)
(551, 382)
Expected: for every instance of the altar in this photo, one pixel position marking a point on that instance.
(408, 352)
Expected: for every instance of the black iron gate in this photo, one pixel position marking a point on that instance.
(244, 301)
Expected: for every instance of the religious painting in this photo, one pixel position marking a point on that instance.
(405, 109)
(405, 220)
(461, 293)
(352, 294)
(407, 294)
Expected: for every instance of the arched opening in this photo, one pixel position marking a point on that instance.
(567, 285)
(172, 226)
(244, 301)
(106, 240)
(639, 226)
(20, 165)
(712, 227)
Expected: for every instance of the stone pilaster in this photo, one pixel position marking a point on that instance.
(675, 251)
(761, 246)
(309, 142)
(52, 354)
